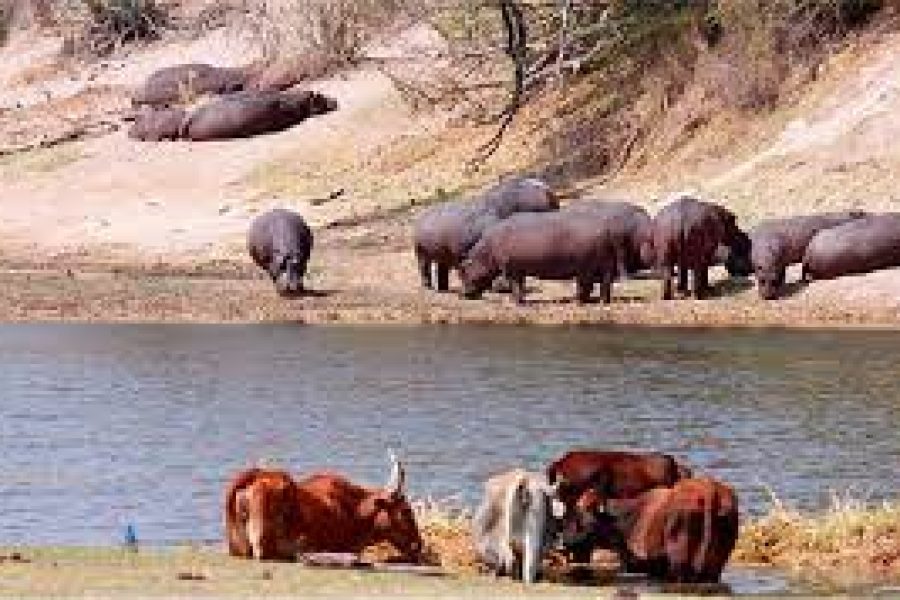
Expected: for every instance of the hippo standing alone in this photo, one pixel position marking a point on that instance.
(778, 243)
(280, 243)
(688, 233)
(860, 246)
(555, 246)
(444, 234)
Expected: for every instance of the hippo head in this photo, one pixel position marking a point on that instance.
(588, 523)
(768, 282)
(287, 272)
(391, 516)
(267, 509)
(477, 277)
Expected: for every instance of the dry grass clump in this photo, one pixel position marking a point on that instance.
(851, 542)
(446, 530)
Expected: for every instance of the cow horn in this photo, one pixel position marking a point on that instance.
(395, 485)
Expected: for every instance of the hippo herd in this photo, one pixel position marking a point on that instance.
(518, 229)
(649, 509)
(245, 102)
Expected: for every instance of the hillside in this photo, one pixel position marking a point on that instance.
(161, 214)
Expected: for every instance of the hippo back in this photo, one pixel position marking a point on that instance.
(859, 246)
(180, 83)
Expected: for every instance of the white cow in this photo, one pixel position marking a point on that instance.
(511, 525)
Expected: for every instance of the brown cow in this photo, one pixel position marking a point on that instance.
(682, 534)
(610, 475)
(269, 516)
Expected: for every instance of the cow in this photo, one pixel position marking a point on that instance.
(512, 526)
(680, 534)
(691, 234)
(270, 516)
(444, 234)
(608, 475)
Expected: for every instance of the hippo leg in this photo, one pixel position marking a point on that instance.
(701, 282)
(585, 287)
(782, 276)
(425, 271)
(665, 272)
(606, 287)
(443, 277)
(805, 277)
(682, 279)
(517, 288)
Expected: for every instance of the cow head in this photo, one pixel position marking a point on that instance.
(391, 517)
(287, 271)
(267, 509)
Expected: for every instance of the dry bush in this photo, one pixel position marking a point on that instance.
(850, 542)
(336, 29)
(95, 28)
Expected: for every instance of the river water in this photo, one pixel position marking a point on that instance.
(106, 425)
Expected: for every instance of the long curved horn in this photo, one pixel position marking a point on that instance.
(395, 485)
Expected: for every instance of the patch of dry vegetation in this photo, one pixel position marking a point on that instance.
(851, 543)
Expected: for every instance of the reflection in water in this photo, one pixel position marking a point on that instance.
(103, 425)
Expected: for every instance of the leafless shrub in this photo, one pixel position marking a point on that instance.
(338, 29)
(100, 27)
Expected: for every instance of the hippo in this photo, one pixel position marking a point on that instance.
(631, 229)
(280, 243)
(249, 113)
(444, 234)
(689, 234)
(159, 124)
(778, 243)
(556, 246)
(859, 246)
(179, 84)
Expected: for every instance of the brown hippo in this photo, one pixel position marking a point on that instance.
(860, 246)
(684, 533)
(689, 234)
(157, 124)
(609, 475)
(631, 229)
(180, 84)
(778, 243)
(249, 113)
(280, 242)
(444, 234)
(556, 246)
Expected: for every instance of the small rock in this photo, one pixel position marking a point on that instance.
(191, 576)
(267, 575)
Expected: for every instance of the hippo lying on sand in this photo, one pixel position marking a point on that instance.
(860, 246)
(155, 125)
(181, 83)
(688, 234)
(280, 243)
(445, 233)
(556, 246)
(245, 114)
(778, 243)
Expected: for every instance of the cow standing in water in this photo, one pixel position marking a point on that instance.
(682, 534)
(270, 516)
(513, 525)
(606, 475)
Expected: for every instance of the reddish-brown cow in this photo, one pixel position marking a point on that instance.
(269, 516)
(682, 534)
(607, 475)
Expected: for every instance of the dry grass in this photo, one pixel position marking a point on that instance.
(850, 543)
